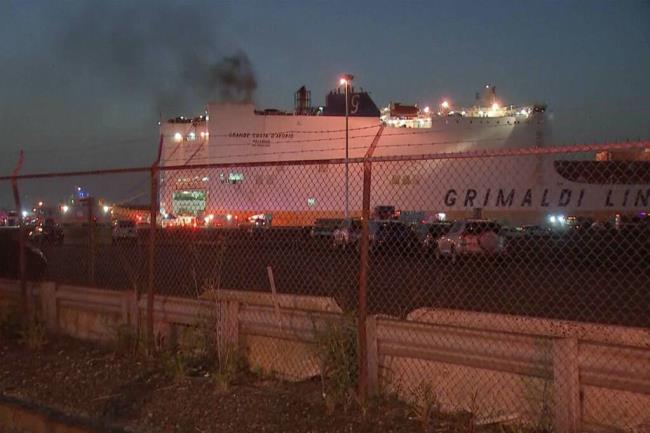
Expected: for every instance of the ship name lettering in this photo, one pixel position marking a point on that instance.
(565, 197)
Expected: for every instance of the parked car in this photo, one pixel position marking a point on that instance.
(124, 230)
(434, 232)
(36, 263)
(472, 236)
(384, 212)
(510, 233)
(13, 220)
(48, 232)
(256, 224)
(349, 234)
(324, 227)
(395, 237)
(536, 231)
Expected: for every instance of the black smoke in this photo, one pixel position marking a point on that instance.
(168, 51)
(234, 77)
(84, 83)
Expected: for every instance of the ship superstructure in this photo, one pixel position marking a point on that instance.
(230, 132)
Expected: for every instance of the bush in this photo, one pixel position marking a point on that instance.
(32, 335)
(336, 348)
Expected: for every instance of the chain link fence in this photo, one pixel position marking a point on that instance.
(462, 272)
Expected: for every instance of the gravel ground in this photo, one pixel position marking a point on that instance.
(91, 381)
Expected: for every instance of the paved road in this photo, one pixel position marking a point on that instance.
(598, 280)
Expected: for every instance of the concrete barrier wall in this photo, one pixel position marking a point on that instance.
(546, 373)
(274, 331)
(551, 374)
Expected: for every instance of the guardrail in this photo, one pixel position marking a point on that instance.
(592, 376)
(274, 331)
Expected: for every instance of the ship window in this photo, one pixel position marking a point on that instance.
(604, 172)
(323, 168)
(406, 180)
(395, 180)
(259, 179)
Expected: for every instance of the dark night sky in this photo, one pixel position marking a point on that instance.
(82, 83)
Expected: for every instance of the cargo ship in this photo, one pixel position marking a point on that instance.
(273, 162)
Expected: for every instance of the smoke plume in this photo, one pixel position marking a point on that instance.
(167, 52)
(89, 80)
(234, 77)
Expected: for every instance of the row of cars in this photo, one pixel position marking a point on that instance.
(443, 238)
(579, 240)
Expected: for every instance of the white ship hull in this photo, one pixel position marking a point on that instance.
(514, 188)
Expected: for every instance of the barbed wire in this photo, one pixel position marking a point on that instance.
(99, 147)
(558, 149)
(479, 122)
(298, 131)
(411, 132)
(502, 152)
(361, 147)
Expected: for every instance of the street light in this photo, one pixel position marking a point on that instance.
(346, 79)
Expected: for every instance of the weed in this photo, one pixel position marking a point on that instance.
(191, 357)
(336, 348)
(540, 394)
(220, 338)
(200, 352)
(29, 333)
(230, 366)
(425, 405)
(32, 335)
(174, 365)
(127, 340)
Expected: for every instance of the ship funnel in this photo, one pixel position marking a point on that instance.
(302, 101)
(489, 95)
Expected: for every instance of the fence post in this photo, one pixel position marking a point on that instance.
(363, 284)
(373, 356)
(91, 240)
(566, 386)
(49, 305)
(153, 213)
(231, 325)
(22, 241)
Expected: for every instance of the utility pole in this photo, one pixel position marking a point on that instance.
(346, 80)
